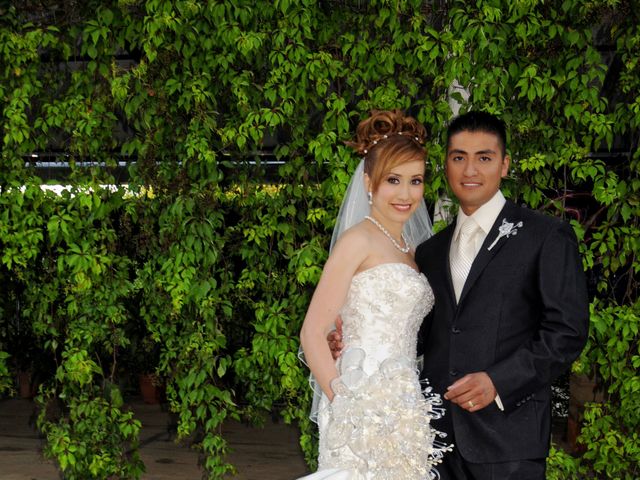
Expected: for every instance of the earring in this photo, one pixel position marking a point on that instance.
(370, 198)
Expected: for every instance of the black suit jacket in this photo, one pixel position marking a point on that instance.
(522, 318)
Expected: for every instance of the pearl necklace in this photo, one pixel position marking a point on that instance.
(404, 249)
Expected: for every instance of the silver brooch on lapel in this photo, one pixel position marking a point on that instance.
(506, 230)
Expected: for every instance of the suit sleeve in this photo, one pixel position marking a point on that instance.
(563, 325)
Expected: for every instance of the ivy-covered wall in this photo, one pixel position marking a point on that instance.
(229, 117)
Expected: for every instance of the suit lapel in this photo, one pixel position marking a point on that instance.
(446, 267)
(436, 263)
(484, 256)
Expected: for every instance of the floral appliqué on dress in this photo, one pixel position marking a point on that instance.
(378, 425)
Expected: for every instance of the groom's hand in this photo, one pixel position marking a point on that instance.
(334, 339)
(472, 392)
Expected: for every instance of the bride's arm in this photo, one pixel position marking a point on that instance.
(330, 294)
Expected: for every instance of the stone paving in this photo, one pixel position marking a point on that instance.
(269, 453)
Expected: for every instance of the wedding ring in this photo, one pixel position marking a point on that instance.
(471, 404)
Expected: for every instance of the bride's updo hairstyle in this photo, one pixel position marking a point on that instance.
(387, 139)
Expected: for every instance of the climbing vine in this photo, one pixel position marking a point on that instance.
(229, 119)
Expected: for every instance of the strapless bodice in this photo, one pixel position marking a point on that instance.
(383, 311)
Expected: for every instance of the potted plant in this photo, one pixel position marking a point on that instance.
(147, 356)
(30, 362)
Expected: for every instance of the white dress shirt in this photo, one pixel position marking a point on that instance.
(485, 217)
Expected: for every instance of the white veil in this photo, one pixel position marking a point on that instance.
(354, 208)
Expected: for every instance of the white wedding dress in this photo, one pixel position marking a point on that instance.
(378, 425)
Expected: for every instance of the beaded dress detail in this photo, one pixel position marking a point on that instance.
(378, 425)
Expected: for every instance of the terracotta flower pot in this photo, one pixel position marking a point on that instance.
(150, 390)
(582, 389)
(26, 386)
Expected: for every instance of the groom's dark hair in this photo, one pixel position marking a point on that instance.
(479, 121)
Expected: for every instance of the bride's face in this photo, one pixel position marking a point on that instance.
(399, 192)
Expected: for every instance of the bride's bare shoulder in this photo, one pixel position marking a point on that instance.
(356, 237)
(354, 245)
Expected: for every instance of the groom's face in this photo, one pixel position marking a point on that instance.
(475, 166)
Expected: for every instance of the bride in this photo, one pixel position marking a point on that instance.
(372, 412)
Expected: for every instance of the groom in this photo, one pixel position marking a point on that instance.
(510, 315)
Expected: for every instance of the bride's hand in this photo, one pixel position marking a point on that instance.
(334, 339)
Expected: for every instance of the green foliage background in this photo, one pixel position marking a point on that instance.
(209, 262)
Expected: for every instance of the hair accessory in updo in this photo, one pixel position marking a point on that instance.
(383, 125)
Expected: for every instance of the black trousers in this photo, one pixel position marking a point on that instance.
(455, 467)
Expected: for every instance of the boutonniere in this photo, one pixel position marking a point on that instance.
(506, 230)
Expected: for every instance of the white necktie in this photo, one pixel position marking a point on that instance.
(463, 255)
